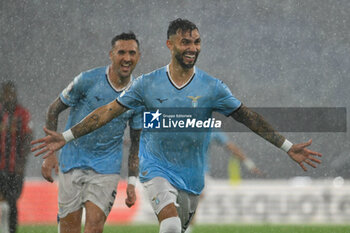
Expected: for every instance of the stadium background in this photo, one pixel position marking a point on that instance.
(284, 53)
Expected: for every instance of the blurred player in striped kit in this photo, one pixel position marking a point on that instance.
(15, 137)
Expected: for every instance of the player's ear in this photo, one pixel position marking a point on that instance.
(139, 51)
(138, 56)
(169, 44)
(110, 54)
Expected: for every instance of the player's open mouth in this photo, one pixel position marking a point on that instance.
(125, 66)
(190, 57)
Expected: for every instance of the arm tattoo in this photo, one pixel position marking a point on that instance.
(93, 123)
(133, 162)
(258, 125)
(52, 114)
(98, 118)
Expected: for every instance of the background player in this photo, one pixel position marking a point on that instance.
(15, 137)
(172, 164)
(236, 153)
(90, 166)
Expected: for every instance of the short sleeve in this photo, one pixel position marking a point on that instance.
(135, 121)
(73, 92)
(133, 97)
(225, 102)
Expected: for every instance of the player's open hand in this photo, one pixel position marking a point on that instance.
(49, 144)
(300, 154)
(49, 164)
(131, 195)
(256, 171)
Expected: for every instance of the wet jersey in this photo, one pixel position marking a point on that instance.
(179, 156)
(100, 150)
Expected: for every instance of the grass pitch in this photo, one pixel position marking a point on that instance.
(208, 229)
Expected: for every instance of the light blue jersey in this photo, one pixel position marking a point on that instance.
(177, 156)
(100, 150)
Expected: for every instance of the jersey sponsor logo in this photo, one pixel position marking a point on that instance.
(194, 100)
(151, 120)
(158, 120)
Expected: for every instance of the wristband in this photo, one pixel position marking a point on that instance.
(68, 135)
(249, 164)
(132, 180)
(286, 145)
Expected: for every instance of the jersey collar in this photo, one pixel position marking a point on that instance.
(183, 85)
(114, 88)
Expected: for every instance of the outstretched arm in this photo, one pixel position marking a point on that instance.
(260, 126)
(51, 163)
(96, 119)
(133, 165)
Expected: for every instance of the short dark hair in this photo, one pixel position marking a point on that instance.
(125, 36)
(183, 24)
(8, 84)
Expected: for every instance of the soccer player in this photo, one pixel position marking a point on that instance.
(89, 168)
(222, 139)
(15, 137)
(172, 164)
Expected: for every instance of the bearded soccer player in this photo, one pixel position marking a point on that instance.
(89, 168)
(172, 165)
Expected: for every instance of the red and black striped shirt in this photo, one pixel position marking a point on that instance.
(14, 128)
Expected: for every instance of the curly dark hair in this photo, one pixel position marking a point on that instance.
(183, 24)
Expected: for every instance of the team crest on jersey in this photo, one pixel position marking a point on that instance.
(194, 100)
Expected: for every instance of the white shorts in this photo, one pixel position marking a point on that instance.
(161, 193)
(78, 186)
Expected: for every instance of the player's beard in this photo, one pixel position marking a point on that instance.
(125, 75)
(122, 74)
(180, 59)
